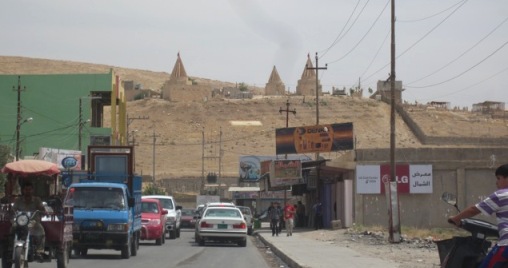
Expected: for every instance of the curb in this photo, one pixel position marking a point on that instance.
(285, 258)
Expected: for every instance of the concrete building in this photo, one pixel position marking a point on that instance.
(66, 111)
(275, 86)
(307, 83)
(383, 91)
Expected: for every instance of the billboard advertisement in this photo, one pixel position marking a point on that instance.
(314, 139)
(251, 169)
(411, 179)
(65, 159)
(286, 172)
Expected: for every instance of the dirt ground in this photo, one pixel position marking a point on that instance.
(411, 253)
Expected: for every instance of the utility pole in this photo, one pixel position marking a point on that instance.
(202, 189)
(287, 110)
(129, 121)
(317, 68)
(394, 230)
(153, 156)
(203, 157)
(18, 118)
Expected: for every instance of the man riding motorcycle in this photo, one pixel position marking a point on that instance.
(29, 202)
(497, 204)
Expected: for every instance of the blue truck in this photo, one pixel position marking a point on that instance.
(107, 202)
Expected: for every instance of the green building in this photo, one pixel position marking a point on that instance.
(61, 111)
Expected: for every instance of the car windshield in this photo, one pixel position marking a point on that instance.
(223, 213)
(149, 207)
(187, 212)
(166, 203)
(96, 197)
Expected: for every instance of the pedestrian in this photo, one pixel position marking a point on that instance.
(300, 213)
(493, 204)
(274, 216)
(295, 216)
(289, 214)
(281, 218)
(318, 215)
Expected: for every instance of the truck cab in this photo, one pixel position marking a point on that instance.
(107, 203)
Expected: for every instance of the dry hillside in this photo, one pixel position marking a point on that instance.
(179, 127)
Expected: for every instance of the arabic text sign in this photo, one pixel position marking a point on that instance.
(286, 172)
(413, 179)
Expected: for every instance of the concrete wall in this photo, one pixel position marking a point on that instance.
(468, 173)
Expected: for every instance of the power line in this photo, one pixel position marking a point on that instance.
(365, 35)
(464, 72)
(433, 15)
(460, 56)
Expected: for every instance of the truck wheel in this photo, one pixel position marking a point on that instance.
(178, 232)
(135, 245)
(163, 238)
(126, 250)
(172, 234)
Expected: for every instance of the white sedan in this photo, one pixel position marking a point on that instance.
(222, 224)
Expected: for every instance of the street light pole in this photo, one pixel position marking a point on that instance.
(18, 130)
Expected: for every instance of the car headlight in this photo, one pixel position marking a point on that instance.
(118, 227)
(171, 218)
(153, 222)
(22, 219)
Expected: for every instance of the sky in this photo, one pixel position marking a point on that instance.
(446, 50)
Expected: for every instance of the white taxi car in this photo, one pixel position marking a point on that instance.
(222, 224)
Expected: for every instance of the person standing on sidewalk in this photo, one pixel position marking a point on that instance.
(300, 213)
(289, 214)
(318, 215)
(274, 216)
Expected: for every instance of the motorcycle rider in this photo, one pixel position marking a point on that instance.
(496, 203)
(29, 202)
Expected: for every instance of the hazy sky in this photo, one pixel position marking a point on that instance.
(447, 50)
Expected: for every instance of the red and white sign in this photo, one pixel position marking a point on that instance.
(413, 179)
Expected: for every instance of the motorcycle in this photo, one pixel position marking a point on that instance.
(469, 251)
(25, 244)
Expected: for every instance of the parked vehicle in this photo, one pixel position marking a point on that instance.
(153, 221)
(248, 218)
(222, 224)
(173, 218)
(187, 220)
(107, 202)
(466, 251)
(18, 247)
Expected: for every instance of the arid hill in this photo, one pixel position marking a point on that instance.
(185, 133)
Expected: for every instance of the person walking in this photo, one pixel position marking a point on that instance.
(289, 214)
(274, 216)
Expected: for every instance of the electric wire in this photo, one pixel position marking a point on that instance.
(461, 55)
(431, 16)
(342, 30)
(363, 37)
(464, 72)
(419, 40)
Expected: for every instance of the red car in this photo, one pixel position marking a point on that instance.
(153, 221)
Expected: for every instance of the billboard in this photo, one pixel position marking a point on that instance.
(314, 139)
(65, 159)
(251, 169)
(285, 173)
(412, 179)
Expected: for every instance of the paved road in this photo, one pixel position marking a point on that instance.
(181, 253)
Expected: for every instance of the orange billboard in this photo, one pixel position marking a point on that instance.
(314, 139)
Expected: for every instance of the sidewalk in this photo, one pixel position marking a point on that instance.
(300, 252)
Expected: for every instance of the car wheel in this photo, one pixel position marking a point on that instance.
(243, 243)
(163, 238)
(249, 231)
(201, 242)
(178, 233)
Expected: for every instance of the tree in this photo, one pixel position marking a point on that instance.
(4, 158)
(151, 189)
(243, 87)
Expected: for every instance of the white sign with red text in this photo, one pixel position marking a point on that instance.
(412, 179)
